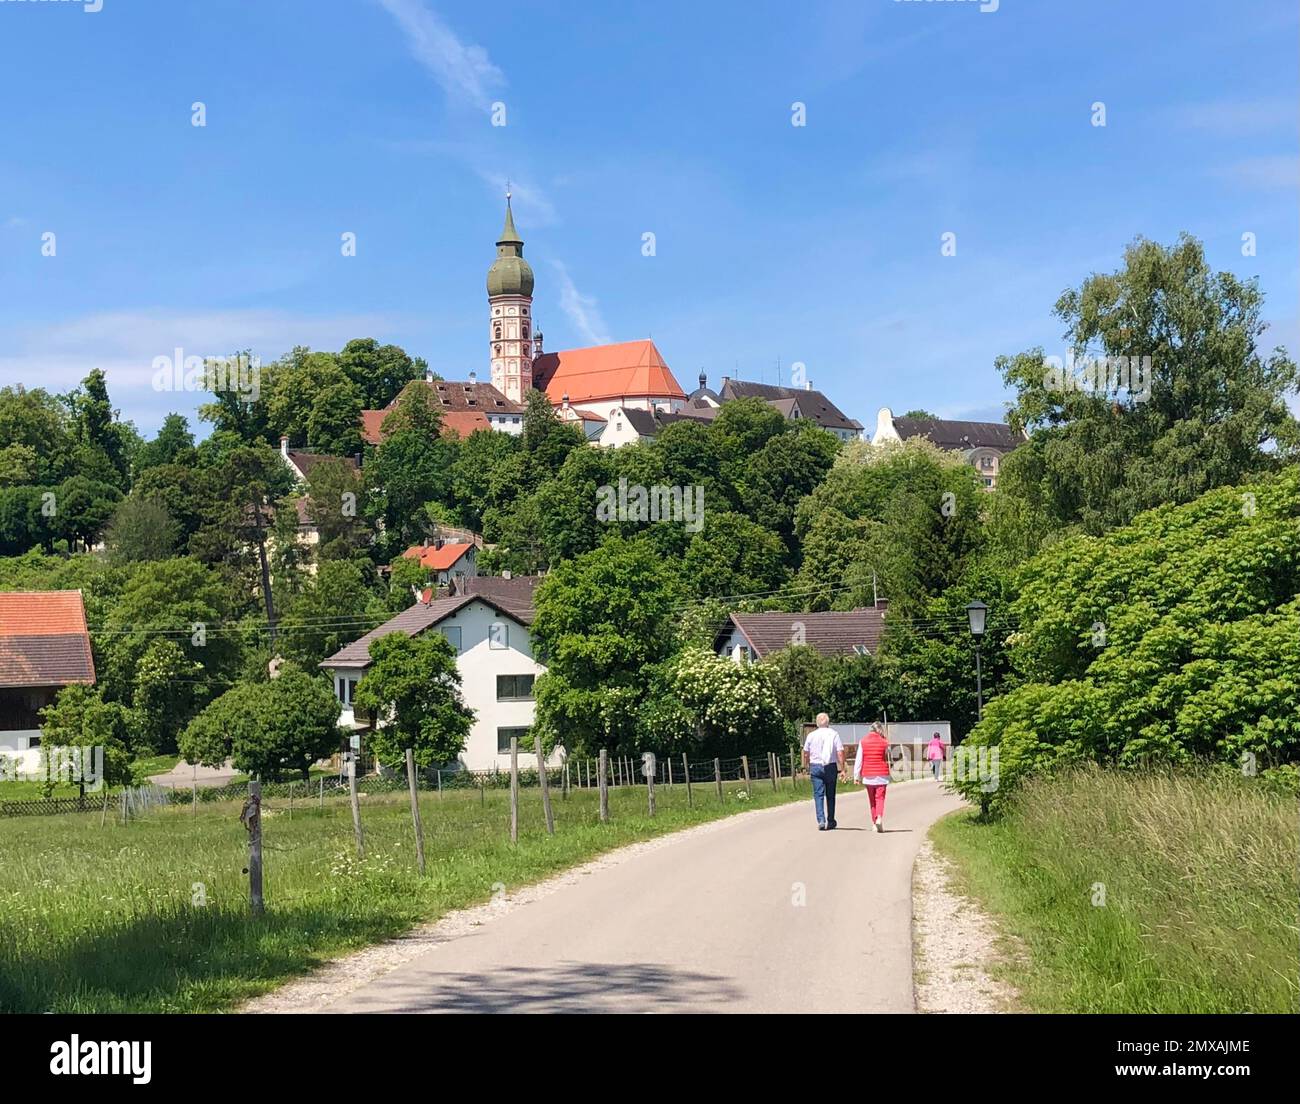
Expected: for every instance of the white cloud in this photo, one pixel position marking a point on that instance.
(1237, 116)
(1265, 173)
(125, 343)
(580, 309)
(464, 70)
(14, 222)
(530, 203)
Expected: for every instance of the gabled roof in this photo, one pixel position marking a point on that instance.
(305, 461)
(643, 421)
(464, 407)
(629, 369)
(811, 404)
(514, 594)
(435, 558)
(43, 639)
(960, 436)
(835, 633)
(413, 621)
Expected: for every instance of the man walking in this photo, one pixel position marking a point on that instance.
(823, 756)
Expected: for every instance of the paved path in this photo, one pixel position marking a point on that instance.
(183, 776)
(708, 923)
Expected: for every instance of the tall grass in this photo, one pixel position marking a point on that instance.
(153, 915)
(1164, 892)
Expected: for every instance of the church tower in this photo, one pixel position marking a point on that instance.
(510, 309)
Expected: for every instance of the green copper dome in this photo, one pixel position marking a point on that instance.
(510, 274)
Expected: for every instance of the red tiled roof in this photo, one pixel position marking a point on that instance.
(43, 639)
(436, 559)
(631, 369)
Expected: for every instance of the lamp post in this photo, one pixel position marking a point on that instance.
(977, 613)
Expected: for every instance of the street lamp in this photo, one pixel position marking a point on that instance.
(977, 613)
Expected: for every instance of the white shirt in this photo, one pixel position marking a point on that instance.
(823, 746)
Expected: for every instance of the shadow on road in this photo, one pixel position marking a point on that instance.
(565, 987)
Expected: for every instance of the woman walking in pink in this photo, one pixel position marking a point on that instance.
(936, 754)
(871, 768)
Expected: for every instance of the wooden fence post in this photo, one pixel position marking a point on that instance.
(794, 773)
(717, 776)
(744, 763)
(415, 809)
(546, 784)
(774, 767)
(652, 768)
(669, 764)
(602, 782)
(104, 815)
(356, 807)
(564, 780)
(439, 785)
(514, 789)
(320, 801)
(252, 818)
(686, 773)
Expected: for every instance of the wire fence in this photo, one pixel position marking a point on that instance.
(576, 773)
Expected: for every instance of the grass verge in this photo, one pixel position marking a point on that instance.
(1170, 892)
(152, 916)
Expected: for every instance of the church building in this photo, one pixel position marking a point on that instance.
(598, 379)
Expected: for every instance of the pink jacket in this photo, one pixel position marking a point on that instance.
(935, 750)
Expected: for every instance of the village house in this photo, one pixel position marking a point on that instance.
(983, 444)
(44, 646)
(792, 402)
(749, 637)
(486, 620)
(445, 560)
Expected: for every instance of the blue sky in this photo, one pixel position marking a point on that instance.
(817, 244)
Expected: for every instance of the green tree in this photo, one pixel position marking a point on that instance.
(731, 556)
(174, 444)
(79, 720)
(602, 619)
(410, 468)
(1208, 410)
(379, 372)
(169, 689)
(141, 529)
(733, 706)
(269, 729)
(413, 686)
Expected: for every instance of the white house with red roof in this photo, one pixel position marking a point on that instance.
(445, 560)
(44, 646)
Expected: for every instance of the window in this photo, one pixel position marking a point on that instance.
(345, 689)
(498, 635)
(986, 461)
(452, 633)
(496, 331)
(504, 736)
(515, 687)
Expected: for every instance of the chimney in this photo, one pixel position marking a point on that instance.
(565, 402)
(726, 380)
(428, 375)
(473, 378)
(807, 385)
(284, 447)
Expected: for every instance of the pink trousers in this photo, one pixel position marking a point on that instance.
(876, 795)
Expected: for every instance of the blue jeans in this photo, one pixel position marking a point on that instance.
(823, 783)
